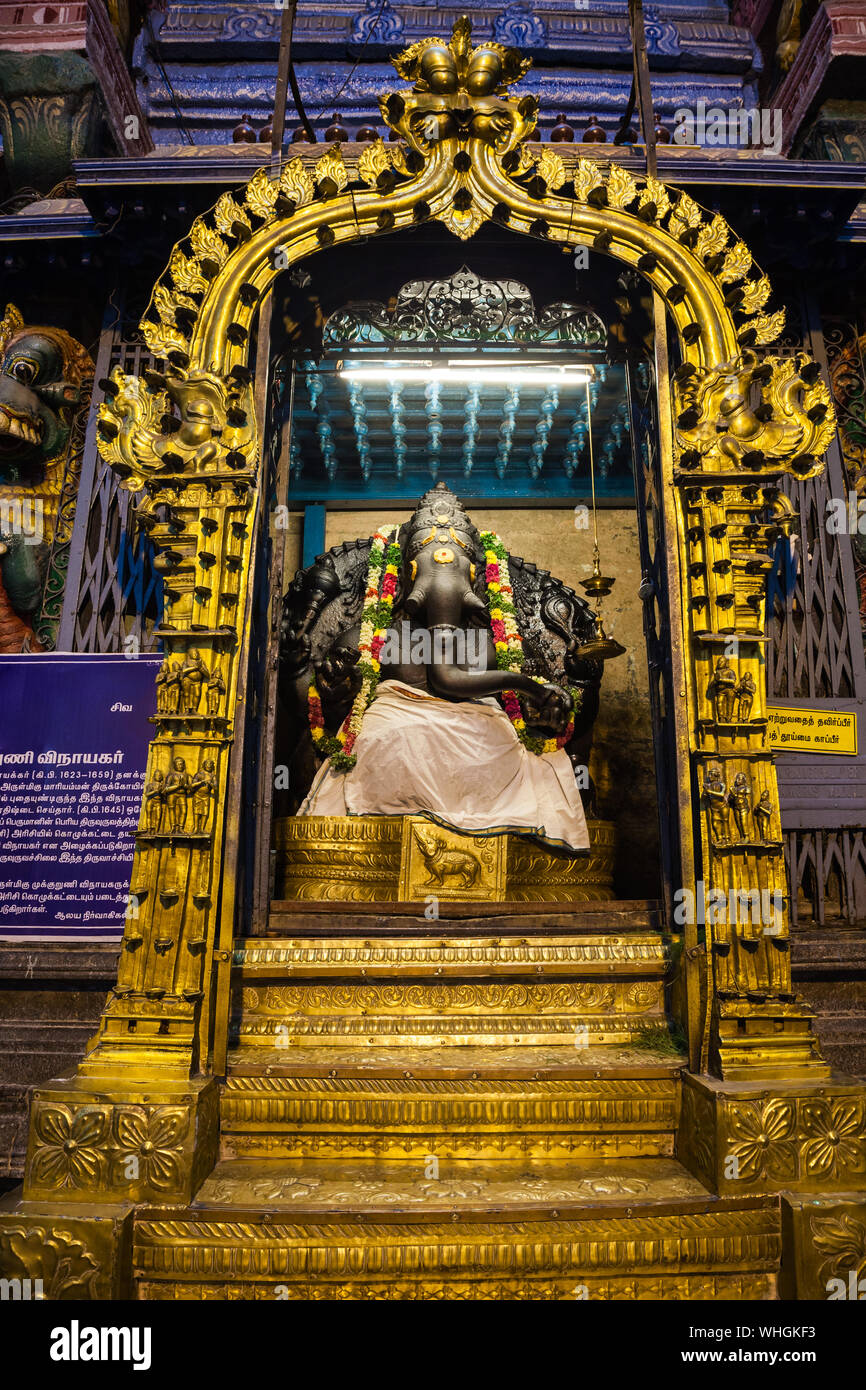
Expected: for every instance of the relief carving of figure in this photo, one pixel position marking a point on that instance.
(177, 785)
(171, 687)
(202, 791)
(741, 805)
(444, 861)
(154, 802)
(722, 689)
(161, 688)
(193, 675)
(716, 794)
(763, 814)
(216, 688)
(745, 694)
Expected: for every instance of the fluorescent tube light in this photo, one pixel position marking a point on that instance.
(468, 370)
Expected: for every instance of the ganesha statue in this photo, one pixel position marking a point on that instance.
(428, 673)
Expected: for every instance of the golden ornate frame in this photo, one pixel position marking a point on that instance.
(190, 439)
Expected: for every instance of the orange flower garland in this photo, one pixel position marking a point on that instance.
(382, 572)
(509, 644)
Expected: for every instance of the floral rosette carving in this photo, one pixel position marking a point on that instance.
(763, 1135)
(71, 1148)
(152, 1139)
(834, 1142)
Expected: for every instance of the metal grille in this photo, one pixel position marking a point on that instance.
(815, 653)
(113, 599)
(829, 870)
(810, 656)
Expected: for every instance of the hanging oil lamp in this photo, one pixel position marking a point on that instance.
(598, 585)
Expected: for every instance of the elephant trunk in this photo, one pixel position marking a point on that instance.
(448, 680)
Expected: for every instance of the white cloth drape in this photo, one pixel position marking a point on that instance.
(460, 762)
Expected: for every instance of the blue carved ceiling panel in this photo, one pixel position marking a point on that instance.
(375, 418)
(213, 62)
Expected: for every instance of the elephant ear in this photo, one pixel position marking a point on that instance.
(341, 610)
(551, 618)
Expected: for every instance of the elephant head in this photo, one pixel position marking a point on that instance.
(442, 553)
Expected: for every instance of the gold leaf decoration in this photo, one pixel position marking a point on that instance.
(686, 214)
(526, 160)
(767, 327)
(165, 302)
(331, 166)
(587, 176)
(397, 156)
(712, 237)
(206, 242)
(227, 212)
(185, 273)
(261, 195)
(655, 192)
(551, 168)
(621, 187)
(738, 262)
(161, 339)
(755, 295)
(463, 224)
(373, 162)
(296, 182)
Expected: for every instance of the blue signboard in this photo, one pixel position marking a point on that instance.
(73, 750)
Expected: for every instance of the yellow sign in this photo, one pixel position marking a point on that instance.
(812, 730)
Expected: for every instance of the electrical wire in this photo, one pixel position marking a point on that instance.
(154, 54)
(336, 96)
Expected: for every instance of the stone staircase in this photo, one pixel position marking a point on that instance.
(484, 1106)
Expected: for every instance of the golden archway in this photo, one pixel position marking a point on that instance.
(189, 438)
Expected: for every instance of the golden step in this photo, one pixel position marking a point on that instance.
(388, 988)
(467, 1102)
(326, 1231)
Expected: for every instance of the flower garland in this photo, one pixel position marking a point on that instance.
(382, 571)
(509, 644)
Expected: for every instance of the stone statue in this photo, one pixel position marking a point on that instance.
(722, 690)
(177, 785)
(409, 709)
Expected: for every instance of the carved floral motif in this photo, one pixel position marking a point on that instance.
(762, 1135)
(62, 1264)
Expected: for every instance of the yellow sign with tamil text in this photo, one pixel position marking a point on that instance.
(812, 730)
